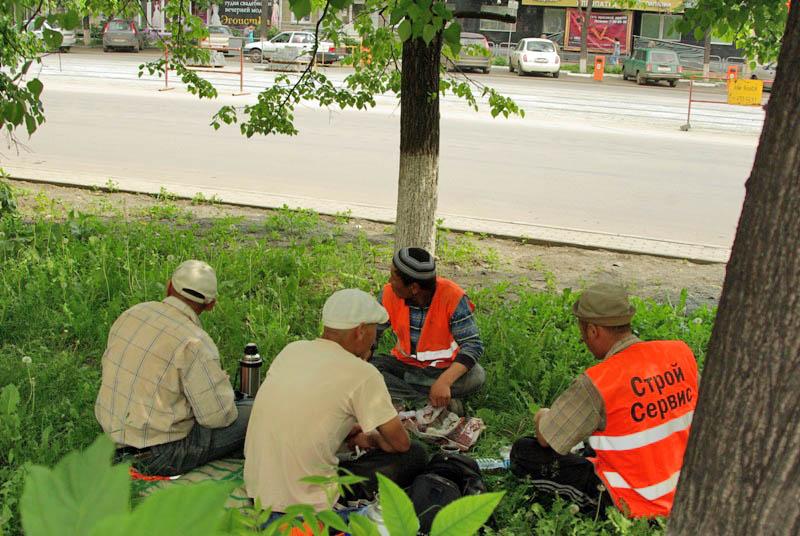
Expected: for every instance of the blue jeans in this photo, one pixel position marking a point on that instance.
(201, 446)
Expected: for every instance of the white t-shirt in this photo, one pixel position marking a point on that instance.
(313, 394)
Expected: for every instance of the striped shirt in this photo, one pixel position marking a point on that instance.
(161, 374)
(463, 328)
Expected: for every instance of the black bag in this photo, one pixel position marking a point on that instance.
(460, 469)
(447, 477)
(430, 493)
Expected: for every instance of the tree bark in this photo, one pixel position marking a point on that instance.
(707, 54)
(87, 32)
(265, 19)
(741, 472)
(417, 189)
(587, 16)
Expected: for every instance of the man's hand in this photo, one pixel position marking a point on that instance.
(440, 393)
(360, 440)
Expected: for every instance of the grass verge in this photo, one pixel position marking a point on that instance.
(65, 277)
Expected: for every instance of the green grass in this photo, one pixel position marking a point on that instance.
(66, 276)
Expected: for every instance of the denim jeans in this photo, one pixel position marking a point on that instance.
(407, 382)
(201, 446)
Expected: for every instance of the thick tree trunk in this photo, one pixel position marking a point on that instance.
(417, 189)
(741, 472)
(87, 32)
(707, 54)
(587, 16)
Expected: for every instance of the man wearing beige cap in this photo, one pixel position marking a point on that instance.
(316, 396)
(164, 399)
(634, 409)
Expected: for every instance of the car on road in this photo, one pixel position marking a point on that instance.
(535, 55)
(122, 33)
(67, 36)
(219, 37)
(474, 54)
(765, 73)
(652, 65)
(302, 42)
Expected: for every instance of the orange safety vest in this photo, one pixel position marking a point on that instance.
(436, 346)
(650, 392)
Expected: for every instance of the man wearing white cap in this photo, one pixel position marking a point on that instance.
(317, 395)
(164, 399)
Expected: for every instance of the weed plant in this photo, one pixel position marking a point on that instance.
(64, 279)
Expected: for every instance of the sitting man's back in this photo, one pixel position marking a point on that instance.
(164, 398)
(317, 394)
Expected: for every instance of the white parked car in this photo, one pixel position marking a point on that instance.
(534, 55)
(218, 37)
(68, 36)
(259, 51)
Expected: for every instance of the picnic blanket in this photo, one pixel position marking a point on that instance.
(224, 470)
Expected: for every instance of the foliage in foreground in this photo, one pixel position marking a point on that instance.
(65, 277)
(86, 494)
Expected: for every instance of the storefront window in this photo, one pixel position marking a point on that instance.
(553, 21)
(497, 26)
(659, 26)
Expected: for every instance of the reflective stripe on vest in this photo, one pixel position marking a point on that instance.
(651, 493)
(644, 438)
(432, 355)
(649, 393)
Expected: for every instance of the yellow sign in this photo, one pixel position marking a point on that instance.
(661, 6)
(745, 92)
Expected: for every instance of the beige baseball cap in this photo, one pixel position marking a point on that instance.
(195, 281)
(604, 304)
(348, 308)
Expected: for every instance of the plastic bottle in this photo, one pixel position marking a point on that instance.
(488, 465)
(505, 455)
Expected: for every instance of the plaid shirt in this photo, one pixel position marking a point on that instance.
(161, 374)
(579, 410)
(463, 328)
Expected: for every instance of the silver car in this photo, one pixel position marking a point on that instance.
(67, 36)
(474, 54)
(121, 33)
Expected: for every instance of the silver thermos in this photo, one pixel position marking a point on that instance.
(250, 371)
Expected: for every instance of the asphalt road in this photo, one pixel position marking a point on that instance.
(601, 157)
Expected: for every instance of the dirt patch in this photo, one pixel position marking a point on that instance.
(492, 260)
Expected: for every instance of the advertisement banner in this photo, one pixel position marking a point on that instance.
(661, 6)
(240, 12)
(603, 28)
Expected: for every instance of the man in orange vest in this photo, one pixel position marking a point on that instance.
(634, 409)
(438, 342)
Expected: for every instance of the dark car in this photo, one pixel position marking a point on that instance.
(122, 33)
(651, 65)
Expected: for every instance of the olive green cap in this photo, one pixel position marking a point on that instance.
(604, 304)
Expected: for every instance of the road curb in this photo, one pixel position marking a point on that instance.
(534, 233)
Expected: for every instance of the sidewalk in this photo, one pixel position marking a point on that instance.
(534, 233)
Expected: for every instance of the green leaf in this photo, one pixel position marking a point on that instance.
(71, 20)
(397, 14)
(14, 111)
(198, 510)
(428, 33)
(35, 86)
(76, 495)
(300, 8)
(30, 124)
(332, 520)
(466, 515)
(52, 38)
(398, 511)
(404, 30)
(361, 526)
(340, 4)
(452, 34)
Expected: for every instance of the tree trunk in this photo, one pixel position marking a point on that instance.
(87, 32)
(265, 18)
(417, 189)
(707, 54)
(587, 16)
(741, 472)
